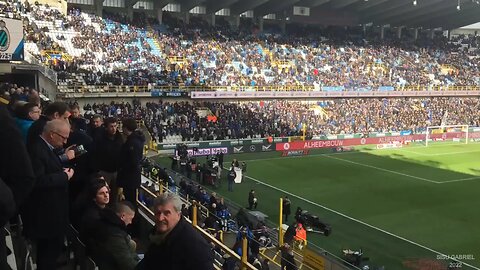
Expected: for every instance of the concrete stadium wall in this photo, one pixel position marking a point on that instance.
(46, 86)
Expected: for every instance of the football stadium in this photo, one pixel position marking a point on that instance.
(240, 134)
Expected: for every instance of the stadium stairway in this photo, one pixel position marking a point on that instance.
(155, 45)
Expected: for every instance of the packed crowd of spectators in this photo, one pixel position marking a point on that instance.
(239, 120)
(69, 169)
(87, 173)
(10, 9)
(116, 51)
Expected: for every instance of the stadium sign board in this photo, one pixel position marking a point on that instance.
(171, 94)
(261, 145)
(207, 151)
(318, 144)
(11, 40)
(322, 94)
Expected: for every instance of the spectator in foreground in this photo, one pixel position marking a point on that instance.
(50, 194)
(16, 175)
(112, 248)
(173, 237)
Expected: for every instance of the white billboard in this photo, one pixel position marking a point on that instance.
(11, 39)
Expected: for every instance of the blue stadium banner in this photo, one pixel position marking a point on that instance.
(405, 132)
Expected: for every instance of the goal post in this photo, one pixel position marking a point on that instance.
(457, 133)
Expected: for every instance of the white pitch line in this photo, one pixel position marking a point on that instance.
(460, 180)
(330, 155)
(437, 154)
(356, 220)
(385, 170)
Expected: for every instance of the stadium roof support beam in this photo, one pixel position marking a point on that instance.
(341, 3)
(187, 5)
(408, 11)
(98, 7)
(244, 5)
(362, 5)
(214, 6)
(273, 7)
(160, 3)
(313, 3)
(130, 3)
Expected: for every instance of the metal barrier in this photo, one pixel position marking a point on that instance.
(151, 88)
(330, 261)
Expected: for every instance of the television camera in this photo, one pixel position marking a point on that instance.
(312, 223)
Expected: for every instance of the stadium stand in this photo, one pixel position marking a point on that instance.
(89, 50)
(183, 121)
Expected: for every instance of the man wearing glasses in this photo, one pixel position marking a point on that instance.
(49, 194)
(54, 110)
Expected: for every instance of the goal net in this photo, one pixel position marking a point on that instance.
(454, 133)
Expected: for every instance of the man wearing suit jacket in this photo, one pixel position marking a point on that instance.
(46, 211)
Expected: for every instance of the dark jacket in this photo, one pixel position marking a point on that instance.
(46, 210)
(288, 260)
(231, 176)
(36, 129)
(131, 155)
(89, 220)
(182, 249)
(106, 152)
(251, 198)
(16, 171)
(286, 206)
(111, 248)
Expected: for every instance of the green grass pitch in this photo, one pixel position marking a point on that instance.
(397, 205)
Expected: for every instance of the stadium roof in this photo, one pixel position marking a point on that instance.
(448, 14)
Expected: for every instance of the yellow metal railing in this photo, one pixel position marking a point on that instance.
(244, 264)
